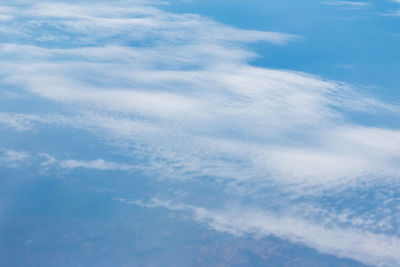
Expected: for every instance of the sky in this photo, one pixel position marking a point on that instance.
(199, 133)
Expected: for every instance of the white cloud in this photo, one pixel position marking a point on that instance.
(19, 122)
(199, 88)
(13, 159)
(5, 17)
(393, 12)
(178, 91)
(348, 4)
(352, 243)
(98, 164)
(5, 12)
(129, 21)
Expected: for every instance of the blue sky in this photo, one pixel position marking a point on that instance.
(198, 133)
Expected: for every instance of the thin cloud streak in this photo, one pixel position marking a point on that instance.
(348, 4)
(366, 247)
(98, 164)
(22, 159)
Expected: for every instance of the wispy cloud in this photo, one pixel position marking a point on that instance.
(19, 122)
(89, 23)
(366, 247)
(178, 91)
(348, 4)
(98, 164)
(13, 159)
(392, 12)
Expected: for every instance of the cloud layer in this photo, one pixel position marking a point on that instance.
(178, 91)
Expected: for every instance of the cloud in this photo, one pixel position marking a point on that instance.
(98, 164)
(18, 122)
(90, 23)
(5, 12)
(13, 159)
(353, 243)
(348, 4)
(178, 92)
(393, 12)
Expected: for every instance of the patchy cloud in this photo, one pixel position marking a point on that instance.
(178, 92)
(18, 122)
(13, 159)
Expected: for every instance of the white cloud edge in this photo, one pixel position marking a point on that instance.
(365, 247)
(88, 15)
